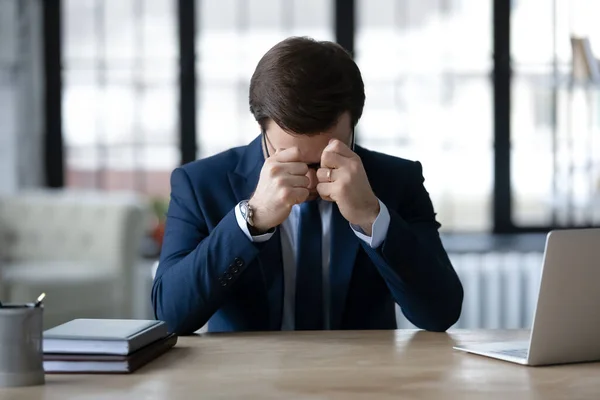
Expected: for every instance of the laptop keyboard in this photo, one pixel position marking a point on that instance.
(519, 353)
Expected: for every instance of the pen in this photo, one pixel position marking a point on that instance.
(39, 300)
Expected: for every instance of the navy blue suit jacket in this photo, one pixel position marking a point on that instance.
(210, 272)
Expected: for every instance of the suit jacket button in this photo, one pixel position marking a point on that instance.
(223, 282)
(233, 269)
(239, 262)
(228, 276)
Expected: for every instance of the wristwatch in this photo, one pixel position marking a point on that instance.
(247, 212)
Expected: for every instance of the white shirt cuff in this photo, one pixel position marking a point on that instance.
(244, 227)
(379, 229)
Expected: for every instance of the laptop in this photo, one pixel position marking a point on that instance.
(566, 322)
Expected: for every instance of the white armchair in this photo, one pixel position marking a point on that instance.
(78, 248)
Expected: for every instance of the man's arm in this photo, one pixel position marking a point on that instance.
(197, 270)
(415, 265)
(411, 260)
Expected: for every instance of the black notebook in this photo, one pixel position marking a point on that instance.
(103, 336)
(107, 364)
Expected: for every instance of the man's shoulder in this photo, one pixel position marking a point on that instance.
(396, 181)
(215, 166)
(378, 160)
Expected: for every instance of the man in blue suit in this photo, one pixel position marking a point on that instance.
(301, 229)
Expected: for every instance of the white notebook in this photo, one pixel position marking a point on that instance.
(103, 336)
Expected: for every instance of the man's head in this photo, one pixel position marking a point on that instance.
(305, 85)
(305, 92)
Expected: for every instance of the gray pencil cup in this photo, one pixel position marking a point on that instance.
(21, 345)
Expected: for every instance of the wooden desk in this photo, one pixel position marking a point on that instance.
(325, 365)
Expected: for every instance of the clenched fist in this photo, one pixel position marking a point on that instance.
(342, 179)
(282, 183)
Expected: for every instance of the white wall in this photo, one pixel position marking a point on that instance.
(21, 95)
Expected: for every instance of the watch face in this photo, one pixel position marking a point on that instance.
(244, 210)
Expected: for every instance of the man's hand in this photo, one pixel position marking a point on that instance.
(342, 179)
(282, 183)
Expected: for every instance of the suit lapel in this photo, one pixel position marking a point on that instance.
(270, 261)
(344, 247)
(244, 178)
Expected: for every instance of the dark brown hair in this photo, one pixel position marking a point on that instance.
(305, 85)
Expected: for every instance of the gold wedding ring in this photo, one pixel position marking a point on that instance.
(329, 175)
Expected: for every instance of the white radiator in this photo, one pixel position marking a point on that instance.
(500, 290)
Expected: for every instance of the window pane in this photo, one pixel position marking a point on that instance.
(118, 71)
(218, 16)
(555, 147)
(232, 37)
(159, 71)
(429, 99)
(157, 163)
(121, 168)
(120, 20)
(120, 93)
(81, 107)
(376, 15)
(219, 118)
(82, 164)
(265, 14)
(118, 110)
(159, 29)
(158, 115)
(80, 34)
(146, 169)
(312, 17)
(158, 158)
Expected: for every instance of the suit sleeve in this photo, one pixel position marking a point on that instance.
(197, 269)
(415, 265)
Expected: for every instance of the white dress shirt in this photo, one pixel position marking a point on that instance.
(289, 234)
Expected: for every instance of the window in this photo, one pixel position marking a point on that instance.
(555, 139)
(120, 94)
(426, 67)
(232, 36)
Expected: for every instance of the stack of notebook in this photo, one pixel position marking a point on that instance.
(104, 345)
